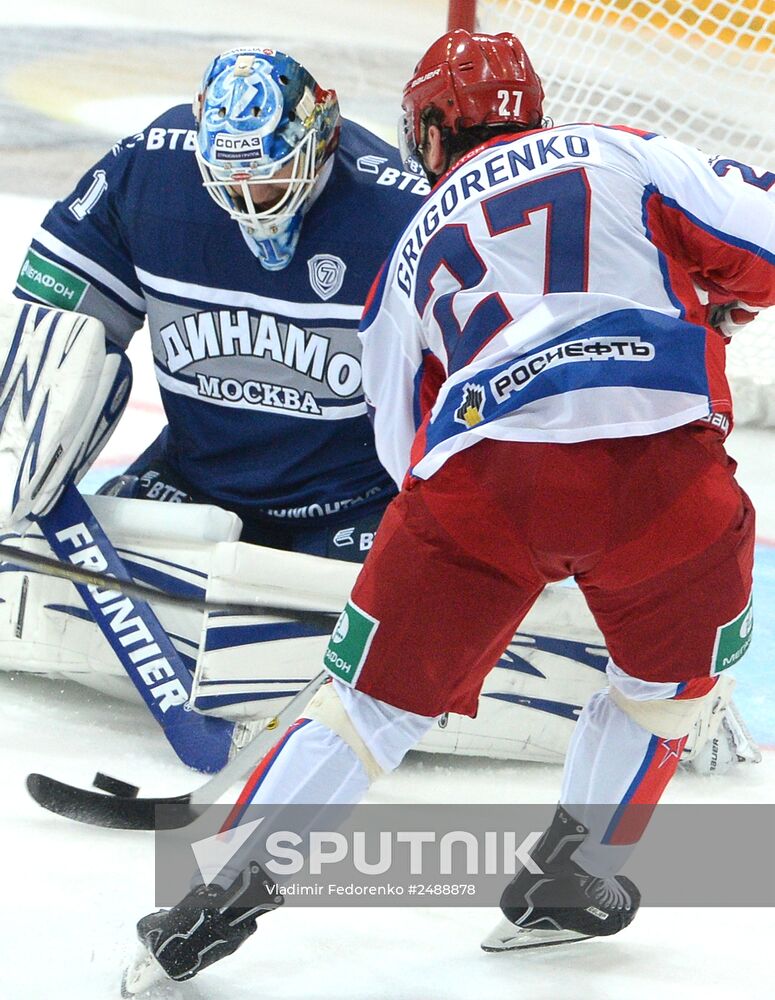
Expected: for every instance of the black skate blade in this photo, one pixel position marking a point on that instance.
(506, 936)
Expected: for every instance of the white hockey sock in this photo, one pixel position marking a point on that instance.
(311, 765)
(613, 763)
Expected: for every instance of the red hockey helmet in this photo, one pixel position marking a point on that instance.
(473, 79)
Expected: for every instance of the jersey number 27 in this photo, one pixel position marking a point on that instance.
(565, 197)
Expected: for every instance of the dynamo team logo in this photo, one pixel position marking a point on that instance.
(326, 274)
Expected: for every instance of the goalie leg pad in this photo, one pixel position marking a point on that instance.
(44, 625)
(720, 739)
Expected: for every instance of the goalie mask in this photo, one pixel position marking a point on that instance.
(468, 80)
(265, 132)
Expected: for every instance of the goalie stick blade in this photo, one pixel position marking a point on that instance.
(97, 809)
(506, 936)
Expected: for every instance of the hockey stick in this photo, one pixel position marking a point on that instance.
(129, 813)
(131, 588)
(136, 637)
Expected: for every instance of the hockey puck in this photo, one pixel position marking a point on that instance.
(113, 786)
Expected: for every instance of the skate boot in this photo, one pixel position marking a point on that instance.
(563, 904)
(206, 925)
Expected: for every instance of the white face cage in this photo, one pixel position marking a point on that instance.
(230, 187)
(407, 145)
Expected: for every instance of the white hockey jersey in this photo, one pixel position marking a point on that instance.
(553, 287)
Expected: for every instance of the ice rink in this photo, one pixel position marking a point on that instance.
(76, 77)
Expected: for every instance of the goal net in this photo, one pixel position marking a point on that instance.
(700, 71)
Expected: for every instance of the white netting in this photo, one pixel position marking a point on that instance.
(698, 70)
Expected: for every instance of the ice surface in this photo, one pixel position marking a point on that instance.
(71, 893)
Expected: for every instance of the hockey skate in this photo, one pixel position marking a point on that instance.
(208, 924)
(564, 904)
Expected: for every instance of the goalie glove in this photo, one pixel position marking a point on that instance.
(62, 391)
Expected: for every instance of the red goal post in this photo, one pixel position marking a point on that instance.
(462, 14)
(701, 71)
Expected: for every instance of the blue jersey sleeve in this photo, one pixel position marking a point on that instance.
(81, 257)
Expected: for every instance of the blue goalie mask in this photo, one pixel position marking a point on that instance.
(265, 132)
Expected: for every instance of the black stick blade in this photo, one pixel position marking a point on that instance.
(98, 809)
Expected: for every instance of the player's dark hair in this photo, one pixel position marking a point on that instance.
(463, 138)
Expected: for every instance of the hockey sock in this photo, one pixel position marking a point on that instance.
(311, 765)
(614, 771)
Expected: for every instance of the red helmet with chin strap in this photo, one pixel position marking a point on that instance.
(473, 79)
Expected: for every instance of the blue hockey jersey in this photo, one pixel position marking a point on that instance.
(260, 372)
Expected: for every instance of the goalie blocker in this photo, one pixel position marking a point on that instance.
(247, 666)
(62, 392)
